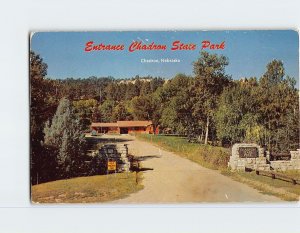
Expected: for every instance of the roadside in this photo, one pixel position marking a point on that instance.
(216, 158)
(282, 189)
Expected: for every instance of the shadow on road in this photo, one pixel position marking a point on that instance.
(142, 169)
(108, 140)
(143, 158)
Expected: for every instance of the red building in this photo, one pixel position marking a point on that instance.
(124, 127)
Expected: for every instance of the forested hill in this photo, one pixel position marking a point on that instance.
(102, 88)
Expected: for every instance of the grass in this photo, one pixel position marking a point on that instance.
(217, 157)
(282, 189)
(295, 174)
(90, 189)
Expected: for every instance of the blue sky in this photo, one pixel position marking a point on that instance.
(248, 52)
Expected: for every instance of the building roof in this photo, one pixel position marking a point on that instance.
(123, 124)
(101, 124)
(133, 123)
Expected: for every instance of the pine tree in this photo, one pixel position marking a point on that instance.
(65, 134)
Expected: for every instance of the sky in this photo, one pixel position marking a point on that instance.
(248, 52)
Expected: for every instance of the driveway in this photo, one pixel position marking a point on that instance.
(178, 180)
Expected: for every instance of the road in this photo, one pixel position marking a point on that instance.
(178, 180)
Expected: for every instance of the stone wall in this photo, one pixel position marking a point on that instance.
(284, 165)
(241, 160)
(248, 155)
(118, 153)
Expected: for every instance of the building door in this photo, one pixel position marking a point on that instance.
(124, 130)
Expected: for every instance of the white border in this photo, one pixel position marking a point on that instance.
(19, 18)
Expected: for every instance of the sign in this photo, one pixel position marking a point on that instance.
(248, 152)
(111, 165)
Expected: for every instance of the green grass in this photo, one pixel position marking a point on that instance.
(217, 157)
(208, 156)
(90, 189)
(282, 189)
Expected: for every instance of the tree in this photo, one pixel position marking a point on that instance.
(131, 91)
(146, 88)
(279, 108)
(155, 83)
(265, 112)
(38, 93)
(142, 107)
(64, 133)
(96, 115)
(106, 110)
(210, 80)
(236, 116)
(113, 92)
(84, 110)
(40, 109)
(146, 108)
(176, 105)
(120, 113)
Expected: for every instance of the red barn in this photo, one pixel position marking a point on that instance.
(123, 127)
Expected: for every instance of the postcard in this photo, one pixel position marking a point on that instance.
(160, 117)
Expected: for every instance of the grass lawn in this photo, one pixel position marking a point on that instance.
(92, 189)
(217, 158)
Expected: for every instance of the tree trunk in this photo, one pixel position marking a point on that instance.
(206, 130)
(202, 134)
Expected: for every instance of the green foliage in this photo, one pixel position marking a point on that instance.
(176, 105)
(113, 92)
(210, 80)
(131, 91)
(278, 108)
(84, 109)
(121, 113)
(38, 94)
(146, 88)
(106, 110)
(156, 83)
(64, 133)
(274, 74)
(87, 88)
(42, 106)
(142, 107)
(266, 112)
(236, 116)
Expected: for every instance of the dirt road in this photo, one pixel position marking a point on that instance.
(179, 180)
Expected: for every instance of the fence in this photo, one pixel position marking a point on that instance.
(278, 176)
